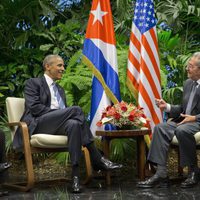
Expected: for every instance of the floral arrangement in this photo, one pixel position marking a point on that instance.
(122, 113)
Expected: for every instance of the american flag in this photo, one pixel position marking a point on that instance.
(143, 72)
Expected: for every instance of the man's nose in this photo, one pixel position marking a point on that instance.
(63, 68)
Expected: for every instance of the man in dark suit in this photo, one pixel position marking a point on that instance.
(3, 165)
(185, 124)
(46, 112)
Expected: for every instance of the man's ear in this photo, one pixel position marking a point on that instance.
(47, 67)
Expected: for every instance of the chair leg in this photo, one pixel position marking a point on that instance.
(24, 186)
(88, 166)
(28, 161)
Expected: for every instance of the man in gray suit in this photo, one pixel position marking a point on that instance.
(186, 122)
(46, 111)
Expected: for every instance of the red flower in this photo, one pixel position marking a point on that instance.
(123, 106)
(117, 116)
(104, 114)
(131, 117)
(108, 107)
(99, 123)
(111, 112)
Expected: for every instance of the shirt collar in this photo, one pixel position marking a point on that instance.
(49, 80)
(197, 83)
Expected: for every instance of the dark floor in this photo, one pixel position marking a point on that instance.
(121, 188)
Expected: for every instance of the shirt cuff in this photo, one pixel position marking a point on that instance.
(168, 108)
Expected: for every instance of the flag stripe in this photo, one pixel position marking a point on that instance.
(146, 97)
(135, 41)
(134, 61)
(148, 76)
(97, 58)
(150, 49)
(109, 53)
(133, 79)
(154, 37)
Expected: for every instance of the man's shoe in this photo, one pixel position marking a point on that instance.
(154, 181)
(76, 185)
(192, 180)
(4, 193)
(106, 165)
(4, 166)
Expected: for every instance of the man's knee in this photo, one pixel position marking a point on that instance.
(77, 109)
(73, 123)
(158, 128)
(73, 127)
(180, 131)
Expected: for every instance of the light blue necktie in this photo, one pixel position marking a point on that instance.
(58, 97)
(191, 98)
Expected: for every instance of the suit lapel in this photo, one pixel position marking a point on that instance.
(196, 98)
(187, 91)
(46, 90)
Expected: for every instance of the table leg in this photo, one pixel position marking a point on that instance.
(106, 150)
(141, 157)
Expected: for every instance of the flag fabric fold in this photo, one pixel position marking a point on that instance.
(143, 71)
(99, 54)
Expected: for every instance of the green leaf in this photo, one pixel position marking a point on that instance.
(11, 86)
(46, 47)
(21, 40)
(48, 35)
(56, 50)
(47, 11)
(3, 87)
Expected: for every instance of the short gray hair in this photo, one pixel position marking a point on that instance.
(197, 56)
(49, 59)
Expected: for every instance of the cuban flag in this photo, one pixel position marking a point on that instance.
(99, 54)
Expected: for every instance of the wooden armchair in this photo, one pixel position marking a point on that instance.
(38, 143)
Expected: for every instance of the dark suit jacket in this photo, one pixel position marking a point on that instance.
(37, 103)
(176, 110)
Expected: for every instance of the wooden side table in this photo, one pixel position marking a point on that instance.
(138, 134)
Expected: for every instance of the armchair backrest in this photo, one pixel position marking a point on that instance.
(15, 109)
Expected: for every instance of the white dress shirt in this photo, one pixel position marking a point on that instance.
(54, 102)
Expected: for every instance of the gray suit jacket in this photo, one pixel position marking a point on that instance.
(176, 110)
(37, 103)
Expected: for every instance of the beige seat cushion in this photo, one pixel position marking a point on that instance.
(197, 138)
(48, 141)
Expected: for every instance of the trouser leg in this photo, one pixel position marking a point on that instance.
(187, 144)
(162, 136)
(3, 173)
(74, 140)
(2, 147)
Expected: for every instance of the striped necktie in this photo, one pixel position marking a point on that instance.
(58, 97)
(192, 94)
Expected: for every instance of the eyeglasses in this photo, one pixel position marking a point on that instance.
(189, 66)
